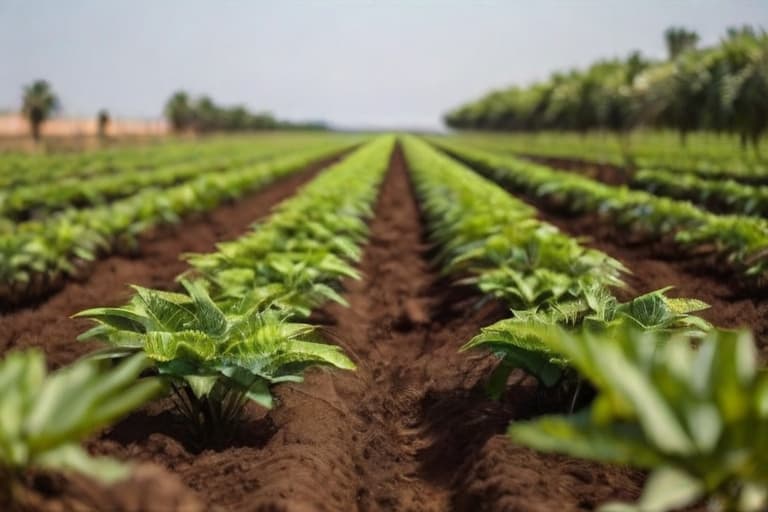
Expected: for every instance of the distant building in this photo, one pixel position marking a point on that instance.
(15, 125)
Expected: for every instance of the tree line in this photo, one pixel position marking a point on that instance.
(723, 88)
(201, 115)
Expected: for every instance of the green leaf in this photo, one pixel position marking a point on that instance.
(259, 393)
(122, 319)
(670, 489)
(71, 457)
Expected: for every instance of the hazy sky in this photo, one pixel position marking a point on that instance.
(375, 63)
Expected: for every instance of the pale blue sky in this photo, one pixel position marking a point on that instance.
(354, 63)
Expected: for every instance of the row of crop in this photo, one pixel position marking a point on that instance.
(714, 190)
(36, 255)
(706, 155)
(213, 347)
(25, 169)
(696, 418)
(494, 241)
(721, 195)
(739, 242)
(40, 199)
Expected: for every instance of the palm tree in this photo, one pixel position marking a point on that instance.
(38, 104)
(179, 112)
(679, 39)
(102, 120)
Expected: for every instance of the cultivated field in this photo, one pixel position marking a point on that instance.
(393, 322)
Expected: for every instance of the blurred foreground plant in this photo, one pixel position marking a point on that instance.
(43, 417)
(697, 417)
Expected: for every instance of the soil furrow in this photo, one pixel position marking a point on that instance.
(605, 173)
(48, 325)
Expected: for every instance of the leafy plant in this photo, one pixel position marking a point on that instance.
(232, 335)
(215, 362)
(696, 417)
(44, 416)
(524, 340)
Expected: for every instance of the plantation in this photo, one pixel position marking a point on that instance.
(386, 322)
(560, 303)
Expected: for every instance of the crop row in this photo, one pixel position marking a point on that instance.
(41, 199)
(738, 241)
(722, 191)
(697, 418)
(494, 241)
(709, 156)
(721, 195)
(23, 169)
(214, 348)
(36, 255)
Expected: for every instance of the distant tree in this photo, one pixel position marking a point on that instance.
(39, 103)
(679, 39)
(235, 118)
(744, 90)
(742, 31)
(179, 112)
(206, 115)
(203, 114)
(102, 120)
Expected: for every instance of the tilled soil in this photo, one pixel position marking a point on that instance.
(48, 324)
(606, 173)
(410, 430)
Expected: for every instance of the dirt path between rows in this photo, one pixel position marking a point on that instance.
(605, 173)
(48, 324)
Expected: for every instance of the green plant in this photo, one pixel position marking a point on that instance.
(215, 362)
(44, 416)
(697, 417)
(523, 340)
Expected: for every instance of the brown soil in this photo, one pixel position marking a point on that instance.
(606, 173)
(48, 324)
(411, 429)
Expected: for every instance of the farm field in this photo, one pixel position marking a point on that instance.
(357, 320)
